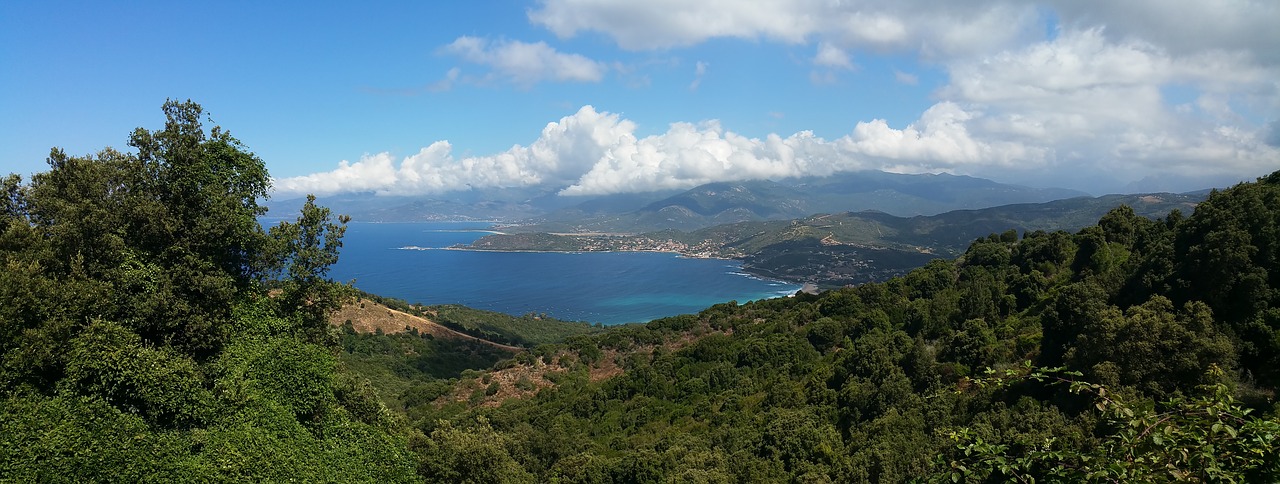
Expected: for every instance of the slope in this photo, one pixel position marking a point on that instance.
(1159, 337)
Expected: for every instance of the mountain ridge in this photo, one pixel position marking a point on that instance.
(540, 209)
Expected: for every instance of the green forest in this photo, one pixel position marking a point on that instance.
(151, 329)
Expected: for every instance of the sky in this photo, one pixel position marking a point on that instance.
(592, 97)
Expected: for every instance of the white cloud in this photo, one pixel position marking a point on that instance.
(526, 63)
(831, 56)
(591, 153)
(1098, 103)
(563, 151)
(659, 24)
(938, 140)
(1184, 27)
(371, 173)
(947, 28)
(687, 155)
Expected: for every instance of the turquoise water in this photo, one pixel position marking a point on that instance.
(407, 261)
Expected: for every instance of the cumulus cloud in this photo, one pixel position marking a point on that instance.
(1101, 102)
(525, 63)
(595, 153)
(939, 139)
(562, 152)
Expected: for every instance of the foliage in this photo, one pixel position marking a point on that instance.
(138, 341)
(873, 383)
(1206, 438)
(151, 330)
(526, 330)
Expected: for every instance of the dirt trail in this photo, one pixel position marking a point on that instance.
(367, 316)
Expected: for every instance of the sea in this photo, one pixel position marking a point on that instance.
(411, 261)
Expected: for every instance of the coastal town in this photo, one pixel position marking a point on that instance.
(596, 242)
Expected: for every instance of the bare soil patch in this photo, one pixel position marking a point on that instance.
(367, 316)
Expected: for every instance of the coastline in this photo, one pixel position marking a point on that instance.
(548, 251)
(747, 271)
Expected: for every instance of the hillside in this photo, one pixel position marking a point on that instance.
(151, 329)
(369, 316)
(1134, 350)
(850, 247)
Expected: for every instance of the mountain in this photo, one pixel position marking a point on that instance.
(853, 248)
(541, 209)
(723, 203)
(503, 204)
(847, 247)
(925, 194)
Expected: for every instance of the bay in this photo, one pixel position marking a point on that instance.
(409, 261)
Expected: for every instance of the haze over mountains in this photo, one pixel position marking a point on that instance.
(542, 209)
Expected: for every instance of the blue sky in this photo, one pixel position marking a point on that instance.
(594, 97)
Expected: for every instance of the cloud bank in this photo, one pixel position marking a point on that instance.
(595, 153)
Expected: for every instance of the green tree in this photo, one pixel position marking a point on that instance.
(137, 338)
(1204, 438)
(1153, 347)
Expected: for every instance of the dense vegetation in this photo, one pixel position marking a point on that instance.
(137, 338)
(1162, 334)
(409, 369)
(152, 330)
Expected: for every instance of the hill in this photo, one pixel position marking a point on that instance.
(369, 316)
(1134, 350)
(851, 247)
(151, 329)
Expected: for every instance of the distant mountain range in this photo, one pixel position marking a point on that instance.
(541, 209)
(852, 247)
(721, 203)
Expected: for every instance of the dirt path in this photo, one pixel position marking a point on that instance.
(367, 316)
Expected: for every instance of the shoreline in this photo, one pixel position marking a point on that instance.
(749, 272)
(545, 251)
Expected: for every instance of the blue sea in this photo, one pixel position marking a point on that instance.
(408, 261)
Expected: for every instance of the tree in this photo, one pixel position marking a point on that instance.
(1153, 347)
(137, 337)
(304, 250)
(1204, 438)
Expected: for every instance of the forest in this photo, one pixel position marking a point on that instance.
(151, 329)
